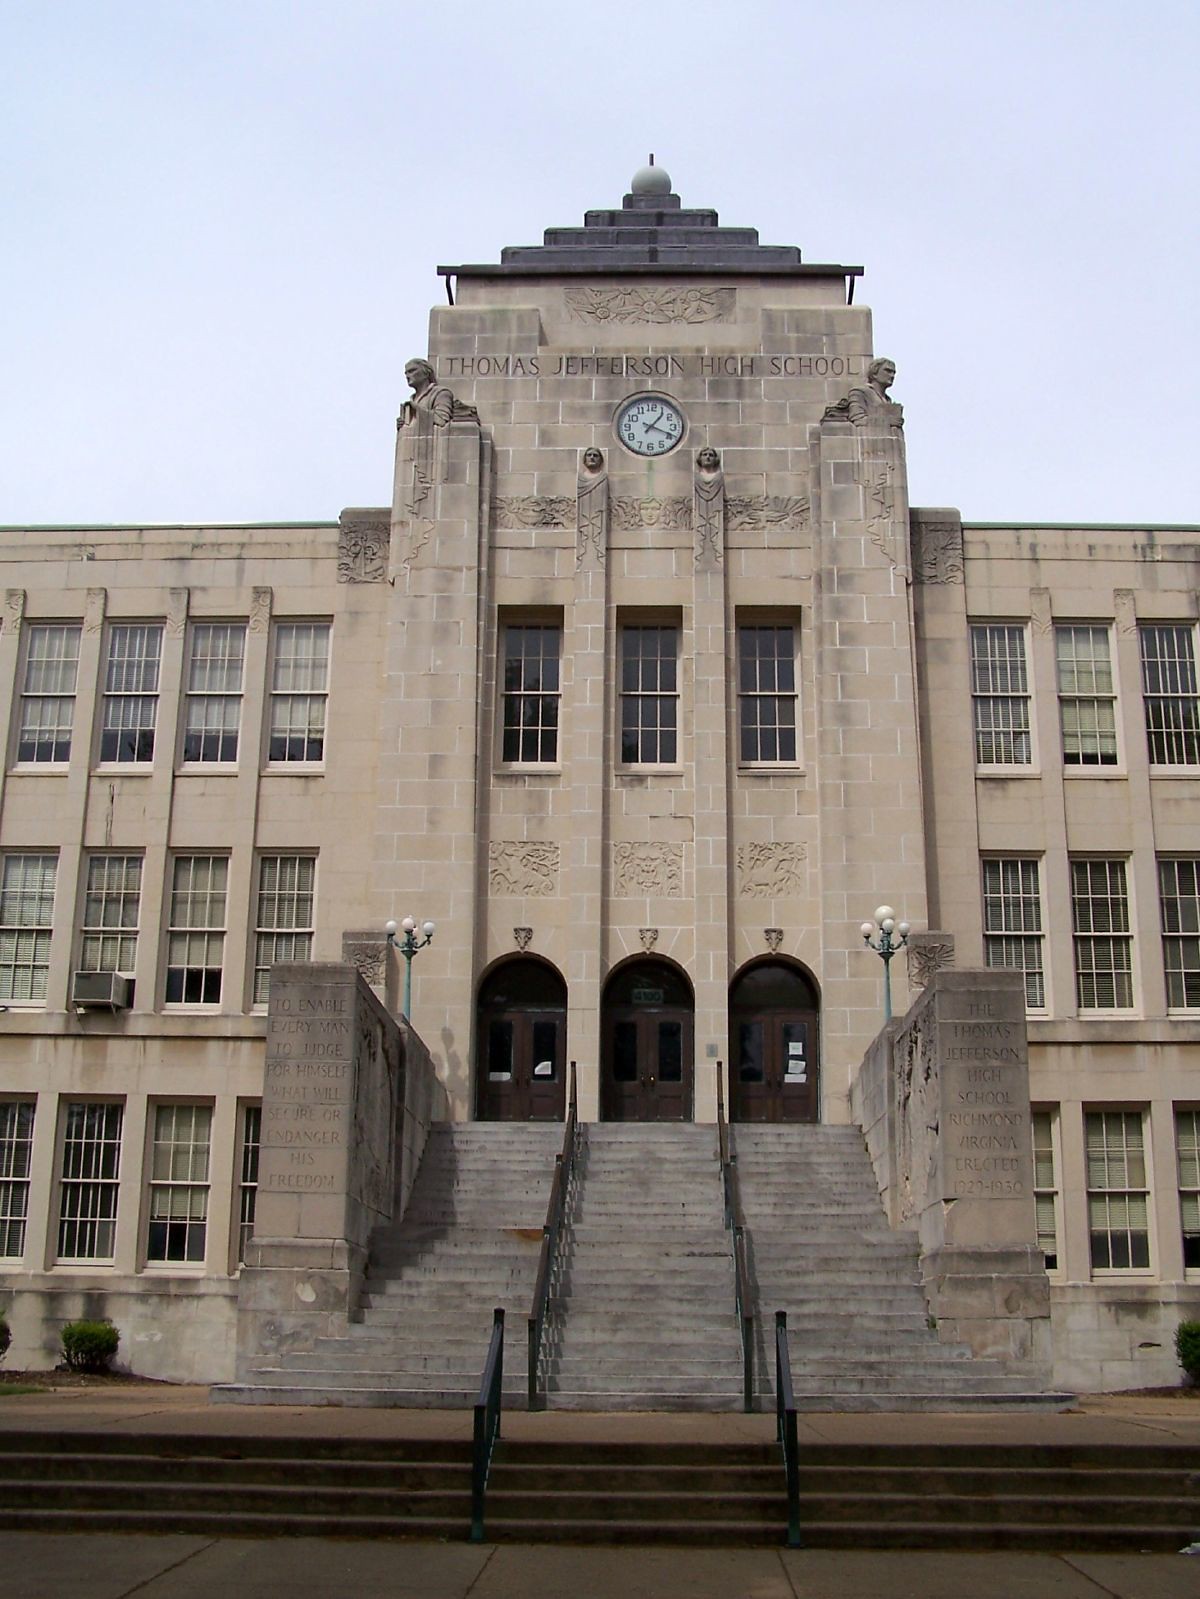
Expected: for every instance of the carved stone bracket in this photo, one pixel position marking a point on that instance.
(523, 868)
(366, 950)
(177, 612)
(93, 615)
(770, 871)
(767, 510)
(673, 512)
(533, 510)
(649, 937)
(1039, 610)
(654, 870)
(14, 607)
(363, 547)
(774, 938)
(260, 610)
(523, 937)
(651, 305)
(928, 952)
(937, 551)
(1125, 609)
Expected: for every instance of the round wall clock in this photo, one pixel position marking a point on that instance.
(650, 424)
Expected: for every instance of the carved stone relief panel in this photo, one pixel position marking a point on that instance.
(649, 937)
(767, 510)
(928, 952)
(770, 871)
(880, 506)
(1039, 611)
(533, 510)
(14, 607)
(260, 610)
(672, 512)
(651, 869)
(665, 305)
(93, 615)
(937, 552)
(522, 867)
(774, 938)
(708, 510)
(522, 937)
(1125, 610)
(363, 549)
(591, 515)
(367, 953)
(177, 612)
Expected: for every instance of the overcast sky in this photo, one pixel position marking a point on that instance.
(222, 220)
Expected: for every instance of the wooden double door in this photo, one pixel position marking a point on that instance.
(521, 1037)
(774, 1046)
(647, 1055)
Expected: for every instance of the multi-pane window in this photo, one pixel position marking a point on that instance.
(110, 914)
(1086, 697)
(1187, 1152)
(16, 1150)
(248, 1183)
(1000, 695)
(213, 712)
(299, 689)
(91, 1170)
(179, 1182)
(1012, 923)
(286, 885)
(1118, 1221)
(131, 692)
(196, 936)
(26, 917)
(1179, 906)
(1103, 944)
(532, 669)
(766, 693)
(649, 695)
(1169, 693)
(48, 692)
(1045, 1188)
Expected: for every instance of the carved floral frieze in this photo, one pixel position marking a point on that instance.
(672, 512)
(663, 306)
(652, 869)
(523, 868)
(766, 510)
(770, 871)
(534, 510)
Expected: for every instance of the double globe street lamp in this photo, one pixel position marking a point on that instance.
(892, 936)
(408, 947)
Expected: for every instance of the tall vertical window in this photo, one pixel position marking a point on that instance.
(248, 1183)
(26, 918)
(1103, 944)
(1187, 1153)
(48, 692)
(131, 692)
(1086, 696)
(91, 1170)
(1000, 695)
(532, 669)
(16, 1152)
(1012, 923)
(299, 690)
(196, 936)
(213, 712)
(1045, 1188)
(1118, 1220)
(1179, 907)
(1169, 693)
(649, 695)
(766, 693)
(179, 1182)
(286, 885)
(110, 914)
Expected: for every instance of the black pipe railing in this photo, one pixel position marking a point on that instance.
(785, 1426)
(736, 1223)
(487, 1423)
(555, 1211)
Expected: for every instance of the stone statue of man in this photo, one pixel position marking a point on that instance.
(431, 396)
(870, 404)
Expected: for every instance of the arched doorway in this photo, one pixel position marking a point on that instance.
(774, 1044)
(646, 1055)
(521, 1042)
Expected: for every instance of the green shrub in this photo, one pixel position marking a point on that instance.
(5, 1337)
(1187, 1347)
(89, 1345)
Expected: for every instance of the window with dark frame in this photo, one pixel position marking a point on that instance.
(1086, 695)
(649, 696)
(48, 687)
(1000, 695)
(111, 908)
(1170, 694)
(1118, 1213)
(88, 1186)
(766, 693)
(532, 693)
(1045, 1187)
(213, 710)
(26, 926)
(1179, 908)
(299, 692)
(178, 1198)
(196, 934)
(131, 677)
(1103, 942)
(16, 1159)
(284, 932)
(248, 1176)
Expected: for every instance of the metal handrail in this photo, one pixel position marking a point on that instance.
(487, 1423)
(785, 1427)
(736, 1223)
(555, 1212)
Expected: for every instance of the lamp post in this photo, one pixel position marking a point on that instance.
(408, 947)
(893, 935)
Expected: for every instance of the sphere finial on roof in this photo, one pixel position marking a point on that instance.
(651, 180)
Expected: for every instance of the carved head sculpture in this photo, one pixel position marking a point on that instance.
(418, 374)
(882, 373)
(708, 460)
(593, 459)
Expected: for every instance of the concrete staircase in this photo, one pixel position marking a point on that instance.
(468, 1242)
(820, 1247)
(642, 1314)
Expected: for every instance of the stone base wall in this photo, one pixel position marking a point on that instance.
(1109, 1336)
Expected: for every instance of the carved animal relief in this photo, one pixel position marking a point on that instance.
(534, 510)
(521, 868)
(770, 871)
(650, 869)
(767, 510)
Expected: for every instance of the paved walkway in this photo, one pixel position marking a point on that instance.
(113, 1566)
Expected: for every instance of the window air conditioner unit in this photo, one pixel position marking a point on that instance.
(101, 991)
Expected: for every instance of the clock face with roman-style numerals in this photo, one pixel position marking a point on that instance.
(650, 424)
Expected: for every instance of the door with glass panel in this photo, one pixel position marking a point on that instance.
(774, 1043)
(646, 1045)
(521, 1043)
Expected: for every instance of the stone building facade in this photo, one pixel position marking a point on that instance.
(647, 689)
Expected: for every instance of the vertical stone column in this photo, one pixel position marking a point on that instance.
(869, 779)
(425, 851)
(713, 911)
(585, 647)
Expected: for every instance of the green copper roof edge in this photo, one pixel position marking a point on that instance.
(1090, 527)
(150, 527)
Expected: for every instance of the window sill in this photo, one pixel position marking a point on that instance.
(1104, 773)
(1108, 1274)
(769, 769)
(294, 769)
(528, 769)
(1113, 1015)
(1026, 771)
(649, 771)
(208, 769)
(1176, 772)
(39, 768)
(123, 769)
